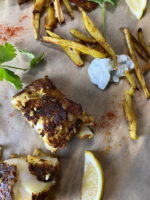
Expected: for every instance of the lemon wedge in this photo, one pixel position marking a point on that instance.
(93, 179)
(137, 7)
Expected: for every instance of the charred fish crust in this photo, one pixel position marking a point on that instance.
(7, 181)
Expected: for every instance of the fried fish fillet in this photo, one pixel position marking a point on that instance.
(54, 117)
(28, 178)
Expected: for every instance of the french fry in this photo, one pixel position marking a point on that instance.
(38, 5)
(131, 81)
(75, 45)
(58, 11)
(136, 64)
(79, 35)
(139, 48)
(69, 9)
(130, 114)
(142, 41)
(146, 67)
(50, 19)
(98, 47)
(94, 32)
(47, 3)
(75, 57)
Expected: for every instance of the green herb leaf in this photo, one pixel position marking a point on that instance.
(34, 60)
(10, 77)
(113, 2)
(7, 52)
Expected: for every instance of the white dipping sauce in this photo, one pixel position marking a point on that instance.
(101, 70)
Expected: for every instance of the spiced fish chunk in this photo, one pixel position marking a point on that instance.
(54, 117)
(28, 178)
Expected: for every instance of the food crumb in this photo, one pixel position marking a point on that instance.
(111, 116)
(108, 133)
(22, 18)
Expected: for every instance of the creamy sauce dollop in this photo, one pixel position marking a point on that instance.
(101, 70)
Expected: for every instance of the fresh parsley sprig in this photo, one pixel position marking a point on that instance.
(8, 53)
(101, 3)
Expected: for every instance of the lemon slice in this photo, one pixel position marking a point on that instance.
(93, 179)
(137, 7)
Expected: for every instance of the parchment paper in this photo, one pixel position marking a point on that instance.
(125, 162)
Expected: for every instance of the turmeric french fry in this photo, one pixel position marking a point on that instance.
(146, 67)
(131, 81)
(94, 32)
(72, 53)
(75, 45)
(69, 9)
(58, 11)
(142, 41)
(47, 3)
(38, 5)
(130, 115)
(50, 19)
(79, 35)
(136, 64)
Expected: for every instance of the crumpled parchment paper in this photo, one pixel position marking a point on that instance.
(125, 162)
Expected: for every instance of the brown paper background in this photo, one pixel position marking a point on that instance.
(125, 162)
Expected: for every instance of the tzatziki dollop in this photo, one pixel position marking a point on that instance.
(101, 70)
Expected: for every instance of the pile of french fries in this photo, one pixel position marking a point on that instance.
(95, 46)
(144, 51)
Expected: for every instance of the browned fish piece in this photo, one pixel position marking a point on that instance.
(85, 4)
(54, 117)
(7, 181)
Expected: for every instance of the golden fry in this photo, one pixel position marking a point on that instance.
(98, 47)
(58, 11)
(131, 81)
(94, 32)
(130, 115)
(69, 9)
(75, 57)
(137, 68)
(79, 35)
(38, 5)
(146, 67)
(75, 45)
(50, 19)
(139, 48)
(47, 3)
(142, 41)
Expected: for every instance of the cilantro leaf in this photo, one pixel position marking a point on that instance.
(10, 77)
(34, 60)
(7, 52)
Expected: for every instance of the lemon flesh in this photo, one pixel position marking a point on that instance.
(93, 179)
(137, 7)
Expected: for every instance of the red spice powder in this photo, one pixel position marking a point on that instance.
(22, 18)
(8, 32)
(111, 116)
(11, 114)
(105, 124)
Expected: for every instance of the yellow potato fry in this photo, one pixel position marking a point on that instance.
(38, 5)
(50, 19)
(75, 45)
(131, 81)
(69, 9)
(142, 41)
(94, 32)
(79, 35)
(58, 11)
(130, 115)
(139, 48)
(47, 3)
(98, 47)
(146, 67)
(136, 65)
(75, 57)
